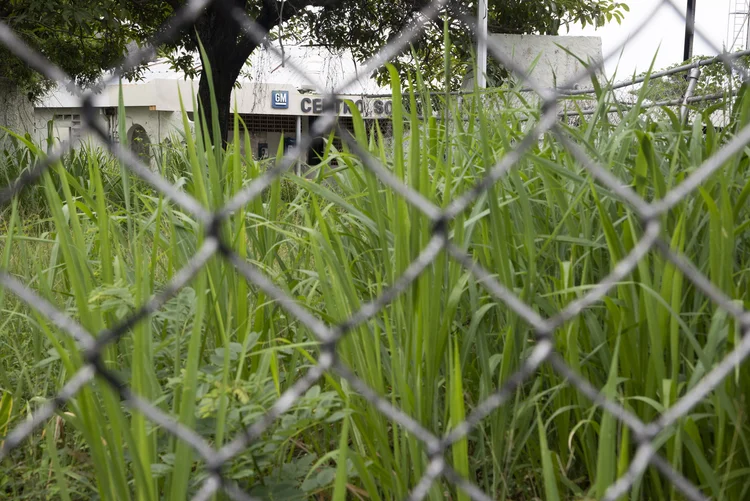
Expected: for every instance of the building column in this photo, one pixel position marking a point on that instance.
(298, 140)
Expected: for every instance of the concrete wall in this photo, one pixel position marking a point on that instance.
(62, 121)
(546, 62)
(159, 125)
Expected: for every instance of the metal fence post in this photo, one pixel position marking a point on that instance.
(693, 77)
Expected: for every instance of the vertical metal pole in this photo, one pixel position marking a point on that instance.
(689, 30)
(298, 140)
(693, 77)
(482, 44)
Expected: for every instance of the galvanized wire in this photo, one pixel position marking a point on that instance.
(653, 239)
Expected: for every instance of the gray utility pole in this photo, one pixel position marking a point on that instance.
(689, 30)
(482, 44)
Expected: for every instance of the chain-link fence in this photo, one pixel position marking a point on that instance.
(543, 353)
(696, 84)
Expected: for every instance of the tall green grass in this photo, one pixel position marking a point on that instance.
(98, 243)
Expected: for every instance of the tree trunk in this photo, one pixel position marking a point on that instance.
(226, 51)
(223, 83)
(16, 111)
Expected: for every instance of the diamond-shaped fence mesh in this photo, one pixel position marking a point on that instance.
(543, 354)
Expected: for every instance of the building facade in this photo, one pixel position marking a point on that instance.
(274, 103)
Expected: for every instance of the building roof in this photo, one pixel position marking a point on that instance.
(321, 65)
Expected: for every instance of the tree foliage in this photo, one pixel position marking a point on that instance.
(82, 37)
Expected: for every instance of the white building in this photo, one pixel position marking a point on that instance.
(271, 99)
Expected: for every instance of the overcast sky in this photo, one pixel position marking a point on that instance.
(665, 32)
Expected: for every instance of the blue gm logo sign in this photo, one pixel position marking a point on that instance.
(280, 99)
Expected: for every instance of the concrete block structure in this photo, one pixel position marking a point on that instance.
(552, 61)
